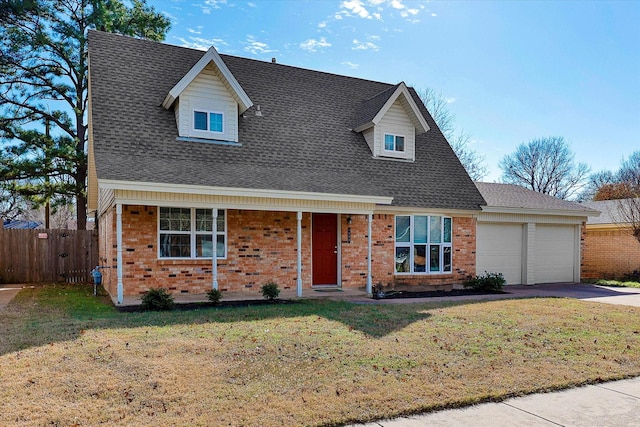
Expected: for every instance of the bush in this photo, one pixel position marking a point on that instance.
(270, 290)
(157, 299)
(214, 296)
(634, 276)
(486, 282)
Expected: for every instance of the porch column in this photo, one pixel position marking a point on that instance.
(119, 251)
(369, 278)
(214, 248)
(299, 232)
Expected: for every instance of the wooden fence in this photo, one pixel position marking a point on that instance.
(29, 256)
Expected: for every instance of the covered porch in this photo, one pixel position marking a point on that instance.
(307, 244)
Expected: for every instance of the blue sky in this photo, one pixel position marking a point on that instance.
(510, 70)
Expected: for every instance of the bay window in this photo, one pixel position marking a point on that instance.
(423, 244)
(188, 233)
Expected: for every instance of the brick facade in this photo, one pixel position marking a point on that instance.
(262, 246)
(609, 253)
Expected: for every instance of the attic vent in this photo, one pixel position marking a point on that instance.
(258, 112)
(273, 60)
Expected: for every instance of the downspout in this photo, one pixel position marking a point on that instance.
(214, 248)
(299, 232)
(119, 250)
(369, 278)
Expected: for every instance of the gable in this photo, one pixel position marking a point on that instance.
(223, 72)
(390, 122)
(207, 93)
(394, 122)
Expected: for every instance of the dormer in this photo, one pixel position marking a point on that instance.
(390, 122)
(207, 101)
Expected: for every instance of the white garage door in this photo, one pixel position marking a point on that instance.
(499, 250)
(555, 253)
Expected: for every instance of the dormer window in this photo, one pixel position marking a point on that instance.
(208, 121)
(393, 143)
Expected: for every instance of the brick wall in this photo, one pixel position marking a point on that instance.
(262, 246)
(609, 254)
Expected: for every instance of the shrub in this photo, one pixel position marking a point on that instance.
(486, 282)
(634, 276)
(157, 299)
(214, 295)
(270, 290)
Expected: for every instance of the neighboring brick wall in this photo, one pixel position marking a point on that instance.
(262, 246)
(609, 254)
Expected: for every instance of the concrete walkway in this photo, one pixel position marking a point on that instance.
(7, 292)
(615, 403)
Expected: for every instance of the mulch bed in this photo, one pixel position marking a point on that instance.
(434, 294)
(198, 305)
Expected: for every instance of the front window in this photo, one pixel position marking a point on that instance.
(393, 142)
(423, 244)
(188, 233)
(208, 121)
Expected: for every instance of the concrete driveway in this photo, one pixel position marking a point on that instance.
(595, 293)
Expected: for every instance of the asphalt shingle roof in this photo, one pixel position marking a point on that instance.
(608, 211)
(515, 196)
(302, 142)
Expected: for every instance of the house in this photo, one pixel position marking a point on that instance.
(528, 236)
(610, 250)
(302, 177)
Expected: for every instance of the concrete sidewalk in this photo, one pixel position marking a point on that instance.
(615, 403)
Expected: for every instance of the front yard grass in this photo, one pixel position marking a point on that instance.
(617, 283)
(67, 358)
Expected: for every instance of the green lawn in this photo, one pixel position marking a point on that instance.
(617, 283)
(70, 359)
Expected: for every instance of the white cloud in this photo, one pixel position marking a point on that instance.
(397, 4)
(409, 12)
(255, 47)
(450, 100)
(367, 45)
(356, 7)
(312, 45)
(208, 5)
(350, 64)
(434, 14)
(250, 4)
(323, 24)
(201, 43)
(197, 30)
(377, 16)
(172, 18)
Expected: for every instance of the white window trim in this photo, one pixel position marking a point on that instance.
(395, 136)
(193, 233)
(208, 112)
(410, 244)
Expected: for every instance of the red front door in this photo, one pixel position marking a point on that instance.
(325, 249)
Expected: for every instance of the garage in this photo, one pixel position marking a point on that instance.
(499, 249)
(529, 237)
(555, 253)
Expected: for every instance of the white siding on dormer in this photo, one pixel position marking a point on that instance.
(369, 137)
(207, 93)
(396, 122)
